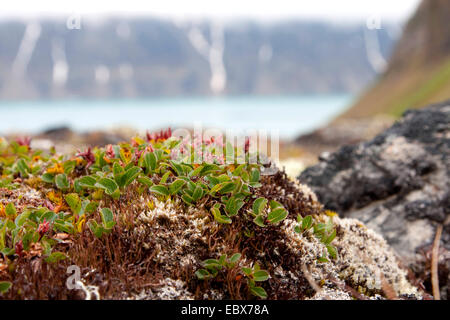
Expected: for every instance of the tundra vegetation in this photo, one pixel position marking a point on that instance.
(147, 215)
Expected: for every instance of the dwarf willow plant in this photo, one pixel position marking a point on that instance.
(325, 232)
(165, 166)
(254, 274)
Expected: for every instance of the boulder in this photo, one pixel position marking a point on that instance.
(397, 183)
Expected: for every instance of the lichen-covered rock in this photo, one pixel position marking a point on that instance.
(397, 184)
(364, 259)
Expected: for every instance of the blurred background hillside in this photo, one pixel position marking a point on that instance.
(321, 74)
(148, 57)
(417, 74)
(419, 69)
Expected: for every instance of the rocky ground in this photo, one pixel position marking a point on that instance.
(398, 184)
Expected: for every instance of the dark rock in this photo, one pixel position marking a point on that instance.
(102, 138)
(398, 183)
(57, 133)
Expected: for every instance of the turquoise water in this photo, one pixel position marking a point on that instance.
(289, 115)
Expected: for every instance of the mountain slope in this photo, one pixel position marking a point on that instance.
(419, 69)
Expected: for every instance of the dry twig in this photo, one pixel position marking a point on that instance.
(435, 263)
(311, 281)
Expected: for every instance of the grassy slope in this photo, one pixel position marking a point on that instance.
(419, 71)
(412, 88)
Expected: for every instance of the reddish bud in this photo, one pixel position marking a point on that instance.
(88, 156)
(19, 248)
(24, 141)
(43, 228)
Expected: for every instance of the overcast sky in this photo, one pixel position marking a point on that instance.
(338, 10)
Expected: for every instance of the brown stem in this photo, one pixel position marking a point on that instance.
(435, 263)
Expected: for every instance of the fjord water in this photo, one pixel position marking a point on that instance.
(290, 115)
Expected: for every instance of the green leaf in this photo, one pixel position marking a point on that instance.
(62, 182)
(259, 221)
(202, 274)
(130, 175)
(20, 219)
(235, 257)
(238, 170)
(238, 187)
(95, 228)
(66, 227)
(228, 187)
(198, 193)
(230, 206)
(307, 222)
(222, 259)
(91, 207)
(277, 215)
(223, 187)
(329, 227)
(247, 271)
(161, 190)
(332, 251)
(49, 216)
(8, 251)
(48, 177)
(69, 166)
(323, 259)
(187, 198)
(216, 188)
(117, 169)
(319, 229)
(196, 171)
(208, 168)
(109, 185)
(10, 225)
(74, 202)
(245, 176)
(165, 177)
(261, 275)
(255, 175)
(259, 205)
(275, 204)
(330, 238)
(2, 236)
(150, 161)
(87, 182)
(222, 219)
(116, 194)
(177, 167)
(10, 210)
(145, 181)
(223, 178)
(211, 262)
(107, 216)
(259, 292)
(233, 205)
(218, 216)
(55, 257)
(23, 167)
(176, 186)
(4, 286)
